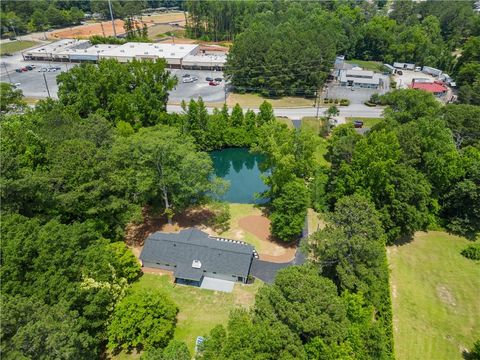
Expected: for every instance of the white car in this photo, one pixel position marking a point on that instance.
(42, 70)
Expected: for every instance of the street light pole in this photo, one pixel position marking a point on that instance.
(111, 16)
(46, 84)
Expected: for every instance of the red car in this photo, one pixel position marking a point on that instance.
(24, 69)
(212, 83)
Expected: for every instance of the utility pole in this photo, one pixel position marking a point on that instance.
(46, 84)
(103, 31)
(111, 15)
(318, 103)
(5, 65)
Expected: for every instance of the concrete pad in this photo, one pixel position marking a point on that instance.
(217, 284)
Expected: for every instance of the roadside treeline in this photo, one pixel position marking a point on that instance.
(420, 166)
(287, 48)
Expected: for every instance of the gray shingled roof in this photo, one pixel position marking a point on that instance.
(182, 248)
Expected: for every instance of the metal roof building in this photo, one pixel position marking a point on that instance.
(192, 255)
(55, 51)
(172, 53)
(359, 78)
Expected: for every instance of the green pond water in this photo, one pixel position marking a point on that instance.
(240, 168)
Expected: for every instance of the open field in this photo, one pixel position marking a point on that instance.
(200, 310)
(254, 101)
(435, 295)
(15, 46)
(106, 28)
(367, 65)
(367, 122)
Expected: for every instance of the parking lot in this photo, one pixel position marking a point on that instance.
(404, 80)
(355, 95)
(201, 87)
(34, 85)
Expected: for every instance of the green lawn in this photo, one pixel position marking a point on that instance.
(435, 294)
(14, 46)
(311, 123)
(285, 120)
(200, 310)
(368, 65)
(367, 122)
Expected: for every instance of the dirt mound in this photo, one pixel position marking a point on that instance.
(271, 249)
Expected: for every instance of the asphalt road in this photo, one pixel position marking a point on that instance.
(359, 110)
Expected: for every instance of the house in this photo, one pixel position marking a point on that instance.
(437, 87)
(194, 255)
(359, 78)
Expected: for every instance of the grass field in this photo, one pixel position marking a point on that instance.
(200, 310)
(285, 120)
(254, 101)
(15, 46)
(367, 65)
(367, 122)
(435, 294)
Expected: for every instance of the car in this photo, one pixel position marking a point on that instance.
(208, 78)
(33, 66)
(188, 80)
(185, 75)
(52, 69)
(29, 68)
(212, 83)
(194, 78)
(358, 124)
(18, 70)
(57, 68)
(24, 69)
(218, 79)
(42, 70)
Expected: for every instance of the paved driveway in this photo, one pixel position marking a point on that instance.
(266, 271)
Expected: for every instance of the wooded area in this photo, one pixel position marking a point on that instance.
(77, 170)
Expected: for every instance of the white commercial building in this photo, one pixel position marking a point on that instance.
(204, 61)
(360, 78)
(176, 55)
(55, 51)
(92, 53)
(172, 53)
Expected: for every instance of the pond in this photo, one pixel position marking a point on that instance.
(240, 168)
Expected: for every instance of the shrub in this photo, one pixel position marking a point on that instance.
(368, 103)
(221, 216)
(472, 251)
(336, 101)
(344, 102)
